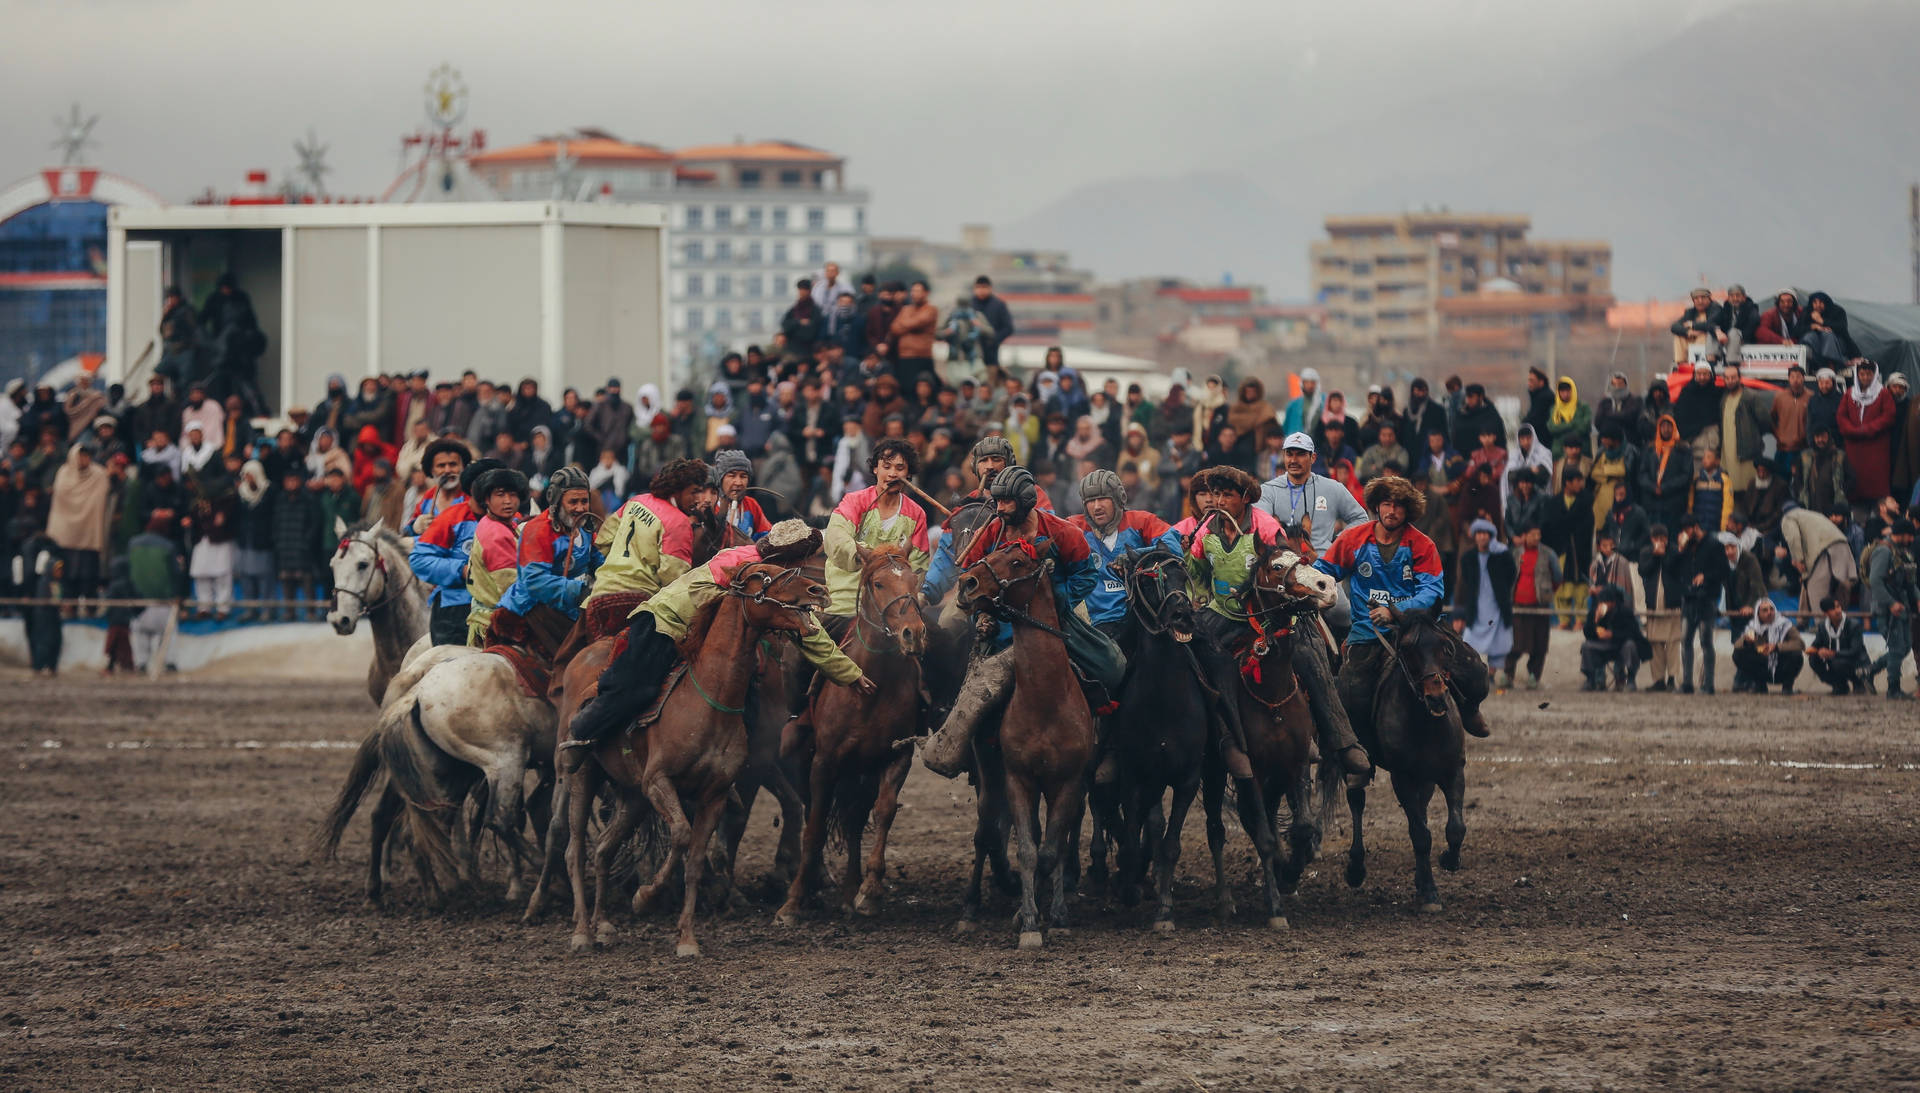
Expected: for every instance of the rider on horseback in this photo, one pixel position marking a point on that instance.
(1391, 566)
(1225, 545)
(557, 559)
(880, 514)
(493, 559)
(649, 542)
(991, 455)
(1112, 532)
(648, 652)
(439, 556)
(732, 475)
(1017, 521)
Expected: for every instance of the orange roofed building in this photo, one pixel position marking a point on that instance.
(749, 219)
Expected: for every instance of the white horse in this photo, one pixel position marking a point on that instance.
(371, 580)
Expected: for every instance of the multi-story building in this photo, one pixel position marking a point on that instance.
(1052, 302)
(748, 221)
(1382, 279)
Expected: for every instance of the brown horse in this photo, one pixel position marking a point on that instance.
(1046, 738)
(855, 765)
(686, 760)
(1279, 729)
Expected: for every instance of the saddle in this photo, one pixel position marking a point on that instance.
(602, 618)
(528, 643)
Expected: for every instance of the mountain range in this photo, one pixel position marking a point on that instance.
(1772, 145)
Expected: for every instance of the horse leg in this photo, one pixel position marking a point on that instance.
(582, 785)
(505, 815)
(1257, 819)
(1414, 797)
(813, 840)
(703, 824)
(540, 806)
(1213, 788)
(854, 800)
(390, 806)
(1108, 827)
(793, 816)
(553, 841)
(612, 836)
(1060, 853)
(666, 801)
(1303, 834)
(734, 818)
(1169, 852)
(1357, 850)
(1129, 839)
(467, 830)
(1456, 794)
(873, 892)
(991, 798)
(1022, 800)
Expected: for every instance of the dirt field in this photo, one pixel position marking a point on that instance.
(1682, 893)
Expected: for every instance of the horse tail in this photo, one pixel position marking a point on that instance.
(431, 839)
(366, 767)
(401, 750)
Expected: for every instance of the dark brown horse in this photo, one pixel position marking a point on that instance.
(855, 766)
(688, 759)
(1045, 739)
(1415, 734)
(1279, 730)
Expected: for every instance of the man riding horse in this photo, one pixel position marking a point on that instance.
(493, 558)
(439, 557)
(732, 476)
(650, 649)
(1391, 568)
(649, 541)
(1225, 545)
(881, 514)
(557, 559)
(990, 456)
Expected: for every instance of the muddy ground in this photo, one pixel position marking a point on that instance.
(1680, 893)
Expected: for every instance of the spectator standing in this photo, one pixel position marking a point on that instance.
(1537, 575)
(1302, 413)
(1712, 493)
(1570, 419)
(1566, 527)
(1483, 597)
(1823, 406)
(1666, 475)
(489, 416)
(154, 571)
(828, 288)
(1787, 420)
(78, 522)
(1866, 422)
(912, 334)
(1839, 656)
(1423, 415)
(1703, 572)
(1819, 553)
(1385, 456)
(1610, 567)
(1696, 409)
(1823, 474)
(1745, 417)
(253, 568)
(991, 308)
(528, 410)
(1745, 582)
(1905, 437)
(1764, 499)
(1665, 592)
(37, 571)
(83, 404)
(1770, 650)
(1892, 585)
(339, 507)
(1618, 406)
(296, 539)
(211, 563)
(1540, 398)
(1477, 417)
(372, 406)
(610, 422)
(203, 411)
(804, 321)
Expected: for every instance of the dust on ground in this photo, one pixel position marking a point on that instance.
(1657, 891)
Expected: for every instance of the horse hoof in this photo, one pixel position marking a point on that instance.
(580, 943)
(1164, 926)
(1278, 922)
(1430, 908)
(1060, 931)
(1450, 862)
(1356, 875)
(787, 916)
(687, 948)
(965, 926)
(1031, 939)
(604, 934)
(868, 906)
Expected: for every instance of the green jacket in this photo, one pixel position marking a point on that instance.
(345, 506)
(674, 607)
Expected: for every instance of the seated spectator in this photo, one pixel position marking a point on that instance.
(1839, 657)
(1697, 333)
(1770, 650)
(1739, 320)
(1614, 640)
(1777, 326)
(1823, 330)
(1385, 456)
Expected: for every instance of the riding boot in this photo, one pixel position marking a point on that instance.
(988, 681)
(1330, 721)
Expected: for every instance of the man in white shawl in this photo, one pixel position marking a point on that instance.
(1770, 650)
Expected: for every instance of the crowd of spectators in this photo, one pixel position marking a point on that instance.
(1662, 505)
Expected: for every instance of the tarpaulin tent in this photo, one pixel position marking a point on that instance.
(1886, 333)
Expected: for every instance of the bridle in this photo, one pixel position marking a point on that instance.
(767, 589)
(862, 618)
(1153, 564)
(390, 589)
(997, 605)
(1400, 668)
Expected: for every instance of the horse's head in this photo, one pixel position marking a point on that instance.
(777, 598)
(889, 597)
(1157, 588)
(1426, 653)
(1283, 575)
(360, 574)
(1010, 575)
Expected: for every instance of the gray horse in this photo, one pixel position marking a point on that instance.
(371, 580)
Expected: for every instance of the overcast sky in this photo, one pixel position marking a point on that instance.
(949, 113)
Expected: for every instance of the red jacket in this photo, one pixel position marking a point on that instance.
(1776, 329)
(367, 451)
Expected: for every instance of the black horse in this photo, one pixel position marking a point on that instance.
(1159, 736)
(1408, 720)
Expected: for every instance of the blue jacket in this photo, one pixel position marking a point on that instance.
(440, 554)
(1411, 580)
(553, 568)
(1108, 600)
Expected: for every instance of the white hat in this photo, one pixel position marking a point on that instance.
(1298, 442)
(1309, 374)
(1897, 379)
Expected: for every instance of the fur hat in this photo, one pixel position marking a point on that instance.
(676, 476)
(502, 478)
(789, 542)
(1227, 480)
(1389, 487)
(473, 472)
(445, 444)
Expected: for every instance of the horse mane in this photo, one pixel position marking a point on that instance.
(883, 554)
(698, 626)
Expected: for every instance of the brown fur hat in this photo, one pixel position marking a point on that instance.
(1389, 487)
(1227, 480)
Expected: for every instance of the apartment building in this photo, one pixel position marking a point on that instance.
(1382, 279)
(749, 219)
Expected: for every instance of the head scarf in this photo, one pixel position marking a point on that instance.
(1769, 633)
(1564, 408)
(647, 402)
(1864, 397)
(1664, 448)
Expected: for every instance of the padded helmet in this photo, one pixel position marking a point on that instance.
(1016, 484)
(563, 479)
(1103, 483)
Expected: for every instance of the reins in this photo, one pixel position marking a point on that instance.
(391, 590)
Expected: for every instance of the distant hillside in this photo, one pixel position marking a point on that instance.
(1772, 145)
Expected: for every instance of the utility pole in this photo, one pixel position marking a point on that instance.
(1913, 221)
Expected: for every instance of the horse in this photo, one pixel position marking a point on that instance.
(854, 764)
(1159, 736)
(1415, 734)
(370, 568)
(1279, 729)
(1046, 739)
(690, 755)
